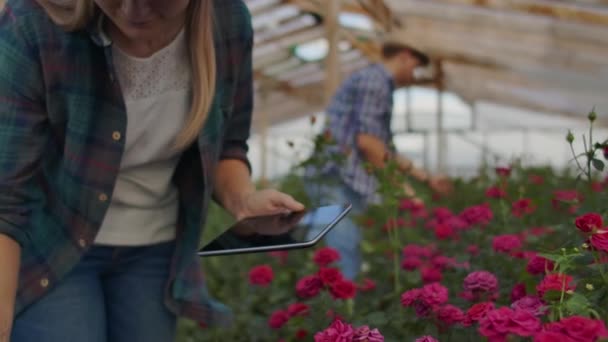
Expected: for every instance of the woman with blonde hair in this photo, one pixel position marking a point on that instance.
(120, 120)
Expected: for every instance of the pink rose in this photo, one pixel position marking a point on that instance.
(532, 304)
(430, 275)
(442, 213)
(365, 334)
(309, 286)
(278, 319)
(326, 256)
(473, 250)
(408, 298)
(496, 323)
(539, 265)
(518, 292)
(589, 222)
(442, 262)
(426, 339)
(338, 331)
(261, 275)
(413, 250)
(600, 241)
(456, 223)
(580, 329)
(536, 179)
(550, 336)
(524, 323)
(554, 282)
(411, 263)
(481, 281)
(506, 243)
(329, 275)
(450, 315)
(434, 294)
(477, 215)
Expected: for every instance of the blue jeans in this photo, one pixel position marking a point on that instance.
(345, 237)
(114, 294)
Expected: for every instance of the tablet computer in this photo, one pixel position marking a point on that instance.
(277, 232)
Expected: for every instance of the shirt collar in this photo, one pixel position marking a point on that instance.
(97, 32)
(387, 75)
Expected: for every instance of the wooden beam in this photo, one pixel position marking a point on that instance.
(588, 14)
(332, 68)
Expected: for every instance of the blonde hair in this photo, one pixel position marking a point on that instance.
(73, 15)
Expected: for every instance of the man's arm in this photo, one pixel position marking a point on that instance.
(376, 152)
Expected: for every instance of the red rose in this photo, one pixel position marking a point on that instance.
(518, 292)
(343, 289)
(522, 207)
(506, 243)
(426, 339)
(539, 265)
(301, 334)
(536, 179)
(524, 323)
(298, 309)
(261, 275)
(589, 222)
(495, 192)
(329, 275)
(278, 319)
(367, 285)
(413, 250)
(597, 186)
(309, 286)
(479, 311)
(550, 336)
(495, 325)
(473, 250)
(480, 281)
(554, 282)
(579, 328)
(411, 263)
(503, 171)
(450, 315)
(444, 231)
(606, 152)
(572, 198)
(600, 241)
(442, 262)
(430, 275)
(326, 256)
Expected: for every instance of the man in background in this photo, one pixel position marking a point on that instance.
(359, 123)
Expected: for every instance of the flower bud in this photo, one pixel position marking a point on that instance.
(585, 246)
(570, 137)
(589, 287)
(570, 292)
(592, 115)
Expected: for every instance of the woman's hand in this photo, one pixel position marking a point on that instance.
(10, 253)
(266, 202)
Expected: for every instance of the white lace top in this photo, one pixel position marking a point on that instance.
(157, 93)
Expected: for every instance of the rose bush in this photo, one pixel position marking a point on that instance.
(518, 254)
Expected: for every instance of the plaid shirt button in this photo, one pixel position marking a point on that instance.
(103, 197)
(82, 243)
(116, 135)
(44, 282)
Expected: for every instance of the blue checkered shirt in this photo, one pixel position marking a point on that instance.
(362, 104)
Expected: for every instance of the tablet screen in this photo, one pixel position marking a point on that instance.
(274, 232)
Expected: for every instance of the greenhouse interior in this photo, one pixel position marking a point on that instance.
(497, 228)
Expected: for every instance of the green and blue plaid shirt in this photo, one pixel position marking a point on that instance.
(62, 135)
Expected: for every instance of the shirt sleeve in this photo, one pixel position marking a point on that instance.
(23, 125)
(373, 102)
(239, 125)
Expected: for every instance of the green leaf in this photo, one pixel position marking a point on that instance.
(598, 164)
(578, 304)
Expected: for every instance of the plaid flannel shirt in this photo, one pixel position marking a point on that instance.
(362, 104)
(62, 134)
